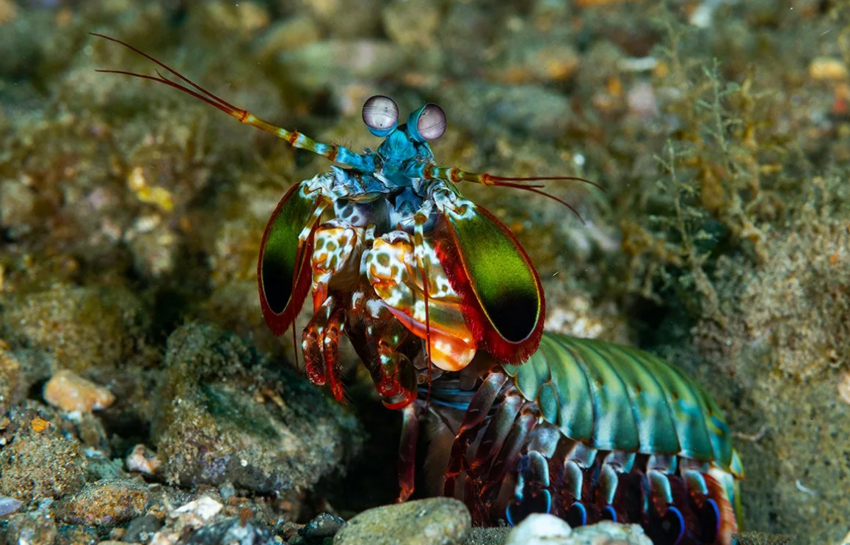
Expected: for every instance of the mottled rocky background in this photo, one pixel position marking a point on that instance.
(136, 375)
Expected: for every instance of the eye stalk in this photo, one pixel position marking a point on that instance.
(380, 114)
(427, 123)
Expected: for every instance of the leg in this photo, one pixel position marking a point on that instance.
(320, 343)
(381, 342)
(407, 451)
(666, 521)
(531, 494)
(475, 416)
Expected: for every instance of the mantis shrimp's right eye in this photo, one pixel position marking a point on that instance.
(431, 123)
(380, 114)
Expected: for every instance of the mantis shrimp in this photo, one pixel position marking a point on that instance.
(431, 288)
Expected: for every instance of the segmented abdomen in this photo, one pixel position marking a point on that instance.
(613, 397)
(597, 431)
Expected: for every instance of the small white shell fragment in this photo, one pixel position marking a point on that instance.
(71, 392)
(539, 529)
(550, 530)
(204, 508)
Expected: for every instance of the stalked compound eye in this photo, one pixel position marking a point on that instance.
(380, 114)
(427, 123)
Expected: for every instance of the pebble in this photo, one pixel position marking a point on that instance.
(330, 62)
(204, 508)
(435, 521)
(105, 503)
(550, 530)
(141, 529)
(185, 519)
(71, 392)
(324, 525)
(36, 528)
(825, 68)
(539, 529)
(9, 506)
(642, 101)
(232, 532)
(142, 460)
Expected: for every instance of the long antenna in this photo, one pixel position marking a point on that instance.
(430, 171)
(339, 154)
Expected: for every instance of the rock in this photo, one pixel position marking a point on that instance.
(232, 532)
(84, 328)
(143, 460)
(36, 528)
(38, 461)
(105, 503)
(436, 521)
(71, 392)
(141, 529)
(228, 416)
(540, 529)
(324, 525)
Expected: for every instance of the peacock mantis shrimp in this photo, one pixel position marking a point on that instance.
(431, 288)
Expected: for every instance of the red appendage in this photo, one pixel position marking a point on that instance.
(446, 245)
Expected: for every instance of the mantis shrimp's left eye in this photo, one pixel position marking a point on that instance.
(380, 114)
(431, 123)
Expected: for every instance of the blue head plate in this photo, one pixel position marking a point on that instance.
(405, 142)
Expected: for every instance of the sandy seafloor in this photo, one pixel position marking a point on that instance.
(131, 216)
